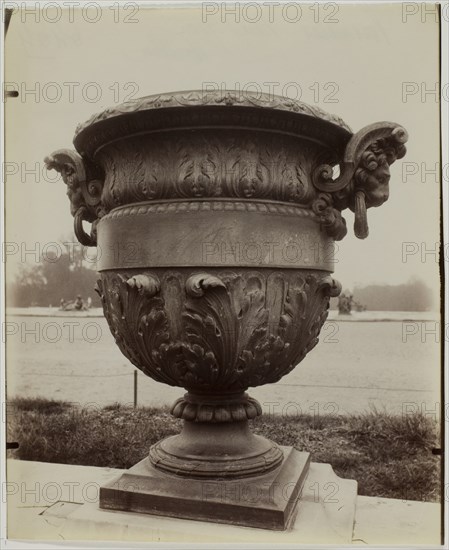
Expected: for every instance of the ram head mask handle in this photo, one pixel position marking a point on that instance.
(364, 171)
(84, 187)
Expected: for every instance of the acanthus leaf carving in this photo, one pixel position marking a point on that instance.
(199, 167)
(210, 327)
(228, 338)
(137, 319)
(195, 175)
(198, 283)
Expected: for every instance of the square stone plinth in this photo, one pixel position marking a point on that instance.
(267, 502)
(325, 515)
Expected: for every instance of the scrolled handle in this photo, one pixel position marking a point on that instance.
(394, 137)
(84, 188)
(364, 171)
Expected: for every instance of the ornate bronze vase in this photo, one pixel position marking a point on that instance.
(215, 216)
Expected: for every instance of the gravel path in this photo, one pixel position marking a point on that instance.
(393, 365)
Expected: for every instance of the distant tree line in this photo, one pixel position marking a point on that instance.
(55, 277)
(412, 296)
(69, 274)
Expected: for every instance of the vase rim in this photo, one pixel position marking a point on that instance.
(233, 102)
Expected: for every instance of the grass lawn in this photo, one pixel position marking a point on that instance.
(389, 456)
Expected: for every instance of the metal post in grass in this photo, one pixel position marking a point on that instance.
(216, 215)
(135, 388)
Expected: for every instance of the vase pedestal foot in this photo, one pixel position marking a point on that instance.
(265, 501)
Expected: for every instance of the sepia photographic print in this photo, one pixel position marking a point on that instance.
(224, 253)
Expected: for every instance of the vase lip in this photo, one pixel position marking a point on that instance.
(190, 101)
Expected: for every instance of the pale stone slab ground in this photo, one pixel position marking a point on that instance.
(60, 502)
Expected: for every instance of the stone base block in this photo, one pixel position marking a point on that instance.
(266, 501)
(325, 515)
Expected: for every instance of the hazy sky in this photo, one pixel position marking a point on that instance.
(364, 63)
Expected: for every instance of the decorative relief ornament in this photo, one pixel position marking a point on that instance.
(216, 215)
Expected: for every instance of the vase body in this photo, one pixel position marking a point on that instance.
(215, 219)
